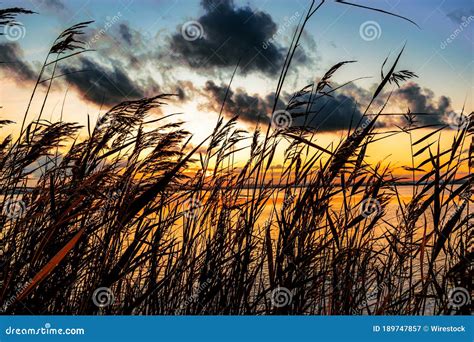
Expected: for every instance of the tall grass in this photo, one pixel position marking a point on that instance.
(118, 210)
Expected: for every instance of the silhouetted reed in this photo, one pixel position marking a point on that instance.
(117, 212)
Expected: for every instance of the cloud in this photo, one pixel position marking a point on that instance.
(230, 34)
(327, 114)
(250, 108)
(55, 5)
(11, 61)
(125, 33)
(460, 15)
(418, 100)
(102, 85)
(185, 90)
(333, 113)
(119, 41)
(410, 96)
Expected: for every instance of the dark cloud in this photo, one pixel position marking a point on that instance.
(181, 94)
(250, 108)
(185, 90)
(125, 33)
(332, 113)
(418, 100)
(409, 96)
(101, 85)
(231, 33)
(11, 61)
(327, 114)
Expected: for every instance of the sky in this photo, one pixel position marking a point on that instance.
(191, 48)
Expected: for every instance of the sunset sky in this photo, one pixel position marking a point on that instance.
(142, 49)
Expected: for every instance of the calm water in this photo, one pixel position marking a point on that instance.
(392, 209)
